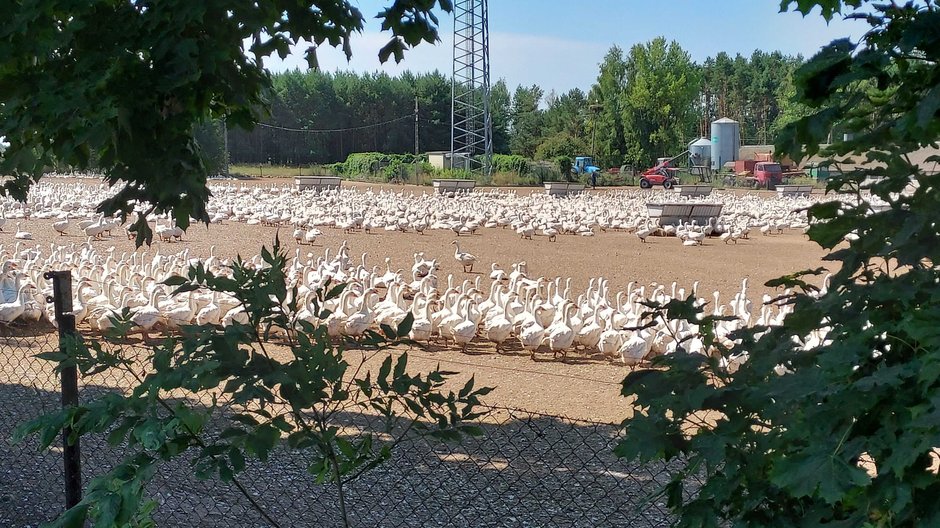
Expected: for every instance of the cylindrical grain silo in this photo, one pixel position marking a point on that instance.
(700, 152)
(726, 141)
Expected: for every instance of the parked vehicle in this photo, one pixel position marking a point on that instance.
(584, 165)
(767, 174)
(662, 174)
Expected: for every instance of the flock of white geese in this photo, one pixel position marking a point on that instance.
(513, 311)
(517, 312)
(71, 207)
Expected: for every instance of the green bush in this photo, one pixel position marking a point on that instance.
(510, 163)
(360, 163)
(561, 145)
(454, 174)
(563, 164)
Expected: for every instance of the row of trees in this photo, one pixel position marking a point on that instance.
(647, 102)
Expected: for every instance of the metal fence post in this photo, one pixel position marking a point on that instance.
(65, 320)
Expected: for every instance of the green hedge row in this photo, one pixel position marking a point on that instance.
(372, 162)
(510, 163)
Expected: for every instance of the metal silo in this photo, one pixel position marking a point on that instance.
(726, 140)
(700, 151)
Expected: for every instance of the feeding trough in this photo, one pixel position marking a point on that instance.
(453, 186)
(563, 188)
(794, 190)
(674, 213)
(693, 191)
(317, 182)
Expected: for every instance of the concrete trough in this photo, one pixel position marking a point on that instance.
(318, 183)
(563, 188)
(453, 186)
(674, 213)
(794, 190)
(693, 191)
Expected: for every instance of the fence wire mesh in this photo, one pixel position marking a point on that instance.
(527, 469)
(31, 480)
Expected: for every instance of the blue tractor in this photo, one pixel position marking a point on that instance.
(585, 165)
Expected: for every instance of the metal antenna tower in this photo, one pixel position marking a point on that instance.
(471, 145)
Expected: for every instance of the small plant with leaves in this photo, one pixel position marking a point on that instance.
(834, 418)
(276, 382)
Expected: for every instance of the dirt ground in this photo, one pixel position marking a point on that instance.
(587, 389)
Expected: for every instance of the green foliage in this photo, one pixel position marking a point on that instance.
(132, 99)
(363, 163)
(607, 124)
(510, 163)
(662, 86)
(834, 418)
(755, 91)
(454, 174)
(349, 101)
(209, 137)
(561, 144)
(500, 110)
(563, 164)
(526, 121)
(291, 395)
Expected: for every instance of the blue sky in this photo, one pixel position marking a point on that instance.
(558, 44)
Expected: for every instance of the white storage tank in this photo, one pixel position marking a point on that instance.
(726, 141)
(700, 151)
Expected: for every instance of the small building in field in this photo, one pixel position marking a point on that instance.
(440, 159)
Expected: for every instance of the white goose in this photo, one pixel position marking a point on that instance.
(498, 328)
(61, 227)
(11, 311)
(421, 327)
(465, 259)
(145, 317)
(22, 235)
(464, 331)
(560, 334)
(359, 322)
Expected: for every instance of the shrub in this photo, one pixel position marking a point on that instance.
(563, 163)
(510, 163)
(560, 145)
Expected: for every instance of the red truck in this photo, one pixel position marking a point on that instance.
(767, 174)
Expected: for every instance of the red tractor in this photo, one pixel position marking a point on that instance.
(662, 174)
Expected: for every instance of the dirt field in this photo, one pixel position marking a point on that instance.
(589, 389)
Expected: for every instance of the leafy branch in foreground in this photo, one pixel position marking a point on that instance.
(299, 392)
(834, 418)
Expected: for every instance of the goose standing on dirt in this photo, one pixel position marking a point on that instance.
(22, 235)
(465, 259)
(61, 227)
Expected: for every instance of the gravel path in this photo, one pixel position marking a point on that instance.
(527, 469)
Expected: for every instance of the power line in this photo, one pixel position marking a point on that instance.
(325, 131)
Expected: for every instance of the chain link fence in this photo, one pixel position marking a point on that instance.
(31, 480)
(527, 469)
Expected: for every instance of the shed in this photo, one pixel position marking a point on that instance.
(439, 159)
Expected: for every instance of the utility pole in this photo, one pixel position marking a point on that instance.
(225, 146)
(595, 108)
(416, 139)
